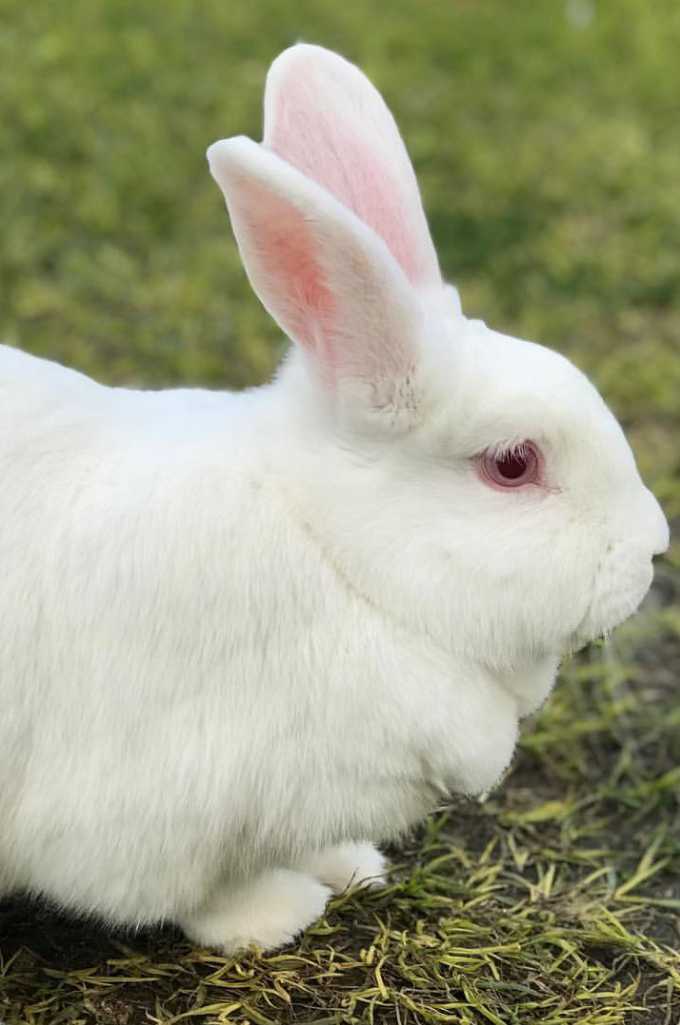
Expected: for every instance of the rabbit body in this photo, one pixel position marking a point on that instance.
(245, 636)
(192, 688)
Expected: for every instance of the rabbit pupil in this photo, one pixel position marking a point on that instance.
(512, 466)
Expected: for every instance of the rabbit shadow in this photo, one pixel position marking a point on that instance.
(68, 942)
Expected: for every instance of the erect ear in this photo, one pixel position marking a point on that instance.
(326, 278)
(322, 115)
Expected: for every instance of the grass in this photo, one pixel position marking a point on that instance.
(545, 138)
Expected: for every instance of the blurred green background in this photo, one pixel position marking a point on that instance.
(545, 136)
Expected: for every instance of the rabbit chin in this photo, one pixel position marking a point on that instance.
(620, 585)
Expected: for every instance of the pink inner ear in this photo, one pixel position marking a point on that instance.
(329, 151)
(298, 294)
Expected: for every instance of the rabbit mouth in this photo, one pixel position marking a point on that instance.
(619, 587)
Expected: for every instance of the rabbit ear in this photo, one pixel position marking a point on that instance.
(322, 115)
(326, 278)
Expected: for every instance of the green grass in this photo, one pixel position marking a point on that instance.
(547, 146)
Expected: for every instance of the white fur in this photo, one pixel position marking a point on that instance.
(246, 636)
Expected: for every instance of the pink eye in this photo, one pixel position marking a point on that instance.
(511, 469)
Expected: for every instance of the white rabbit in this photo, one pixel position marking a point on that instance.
(244, 637)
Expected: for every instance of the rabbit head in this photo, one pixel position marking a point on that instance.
(473, 486)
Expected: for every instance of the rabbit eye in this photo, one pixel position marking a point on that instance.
(511, 469)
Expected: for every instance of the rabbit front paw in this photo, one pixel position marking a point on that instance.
(348, 864)
(268, 912)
